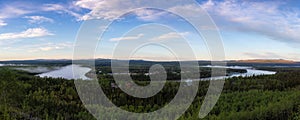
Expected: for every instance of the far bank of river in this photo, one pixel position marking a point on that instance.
(80, 72)
(250, 72)
(68, 73)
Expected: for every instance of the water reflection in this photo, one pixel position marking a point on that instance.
(67, 72)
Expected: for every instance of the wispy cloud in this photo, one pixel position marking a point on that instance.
(267, 18)
(40, 47)
(48, 47)
(38, 19)
(60, 9)
(29, 33)
(127, 38)
(112, 9)
(150, 14)
(106, 9)
(19, 9)
(169, 36)
(262, 55)
(272, 55)
(12, 11)
(2, 23)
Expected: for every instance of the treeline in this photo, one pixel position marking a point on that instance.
(24, 96)
(141, 72)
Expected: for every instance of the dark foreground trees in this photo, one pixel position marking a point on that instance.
(24, 96)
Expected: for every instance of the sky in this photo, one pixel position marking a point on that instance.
(249, 29)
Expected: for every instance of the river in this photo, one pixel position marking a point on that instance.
(250, 72)
(67, 72)
(79, 73)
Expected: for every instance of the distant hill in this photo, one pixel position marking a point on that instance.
(267, 61)
(107, 62)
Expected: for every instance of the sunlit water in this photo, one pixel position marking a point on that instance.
(79, 72)
(250, 72)
(67, 72)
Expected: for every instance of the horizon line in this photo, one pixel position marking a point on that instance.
(288, 60)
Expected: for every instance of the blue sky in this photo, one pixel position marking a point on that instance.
(253, 29)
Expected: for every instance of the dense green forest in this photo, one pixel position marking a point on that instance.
(139, 72)
(24, 96)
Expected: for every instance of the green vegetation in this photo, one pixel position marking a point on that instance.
(140, 72)
(24, 96)
(275, 97)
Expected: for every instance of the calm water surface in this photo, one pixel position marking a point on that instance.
(67, 72)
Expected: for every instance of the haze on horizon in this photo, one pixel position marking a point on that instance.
(249, 29)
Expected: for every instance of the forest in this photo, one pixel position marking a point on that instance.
(273, 97)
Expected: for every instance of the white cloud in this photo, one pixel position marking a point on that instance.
(105, 9)
(29, 33)
(60, 9)
(2, 23)
(150, 15)
(266, 18)
(169, 36)
(17, 9)
(112, 9)
(188, 10)
(269, 18)
(262, 55)
(38, 19)
(12, 11)
(272, 55)
(40, 47)
(52, 7)
(127, 38)
(48, 47)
